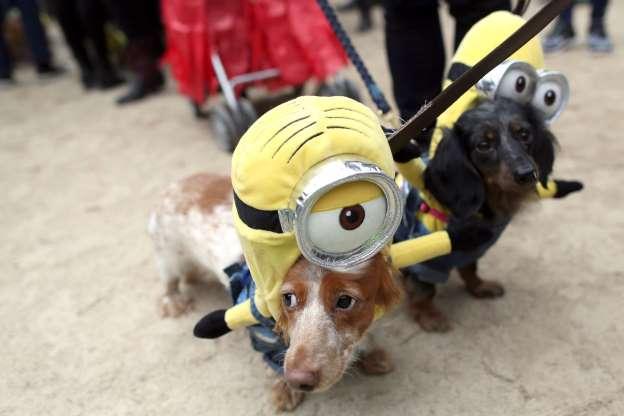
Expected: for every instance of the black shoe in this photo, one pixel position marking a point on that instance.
(598, 40)
(108, 79)
(140, 88)
(87, 79)
(47, 70)
(560, 38)
(6, 80)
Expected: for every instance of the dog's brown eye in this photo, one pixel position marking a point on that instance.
(550, 97)
(484, 146)
(345, 302)
(521, 83)
(524, 135)
(352, 217)
(290, 300)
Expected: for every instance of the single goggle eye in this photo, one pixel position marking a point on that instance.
(352, 217)
(550, 97)
(521, 84)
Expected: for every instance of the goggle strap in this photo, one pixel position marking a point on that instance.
(257, 219)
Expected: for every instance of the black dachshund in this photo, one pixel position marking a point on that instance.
(484, 170)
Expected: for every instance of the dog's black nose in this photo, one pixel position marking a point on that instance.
(525, 176)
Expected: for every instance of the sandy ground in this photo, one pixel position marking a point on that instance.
(80, 331)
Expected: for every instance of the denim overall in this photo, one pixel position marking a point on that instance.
(437, 270)
(263, 339)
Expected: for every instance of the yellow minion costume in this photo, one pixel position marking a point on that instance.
(423, 213)
(313, 177)
(482, 38)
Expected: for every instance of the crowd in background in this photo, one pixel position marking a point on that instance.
(413, 40)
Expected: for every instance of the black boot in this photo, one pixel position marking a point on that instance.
(141, 87)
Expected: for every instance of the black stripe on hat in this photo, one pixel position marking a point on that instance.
(257, 218)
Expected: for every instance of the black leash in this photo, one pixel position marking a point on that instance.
(430, 111)
(428, 114)
(373, 89)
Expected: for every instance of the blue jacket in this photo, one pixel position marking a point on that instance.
(263, 339)
(437, 270)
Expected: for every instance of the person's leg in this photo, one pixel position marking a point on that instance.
(94, 14)
(66, 12)
(140, 22)
(366, 22)
(598, 40)
(36, 36)
(415, 51)
(5, 57)
(469, 12)
(562, 35)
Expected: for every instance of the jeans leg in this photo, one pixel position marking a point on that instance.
(599, 8)
(34, 31)
(566, 15)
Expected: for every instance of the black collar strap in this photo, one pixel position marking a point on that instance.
(257, 218)
(456, 70)
(430, 111)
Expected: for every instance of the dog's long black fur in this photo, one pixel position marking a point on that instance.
(497, 147)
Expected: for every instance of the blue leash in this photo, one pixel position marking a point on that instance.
(373, 89)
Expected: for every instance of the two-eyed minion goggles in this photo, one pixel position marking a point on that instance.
(547, 91)
(342, 211)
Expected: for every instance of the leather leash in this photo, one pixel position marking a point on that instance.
(428, 114)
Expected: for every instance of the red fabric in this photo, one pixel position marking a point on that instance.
(436, 214)
(249, 35)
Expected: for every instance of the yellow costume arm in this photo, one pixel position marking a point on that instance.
(413, 172)
(420, 249)
(547, 192)
(221, 321)
(240, 316)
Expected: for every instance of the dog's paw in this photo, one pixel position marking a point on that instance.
(375, 362)
(174, 305)
(284, 398)
(487, 289)
(429, 318)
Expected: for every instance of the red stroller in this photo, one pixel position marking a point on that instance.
(230, 45)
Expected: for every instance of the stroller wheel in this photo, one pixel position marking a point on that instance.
(229, 125)
(339, 86)
(243, 119)
(347, 88)
(223, 126)
(328, 89)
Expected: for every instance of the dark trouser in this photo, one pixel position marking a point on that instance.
(140, 22)
(34, 33)
(599, 8)
(415, 46)
(83, 21)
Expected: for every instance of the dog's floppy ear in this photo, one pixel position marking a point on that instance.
(544, 153)
(544, 143)
(452, 178)
(390, 290)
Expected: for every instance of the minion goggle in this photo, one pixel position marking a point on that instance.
(547, 91)
(342, 211)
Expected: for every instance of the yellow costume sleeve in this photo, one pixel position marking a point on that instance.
(240, 316)
(413, 172)
(420, 249)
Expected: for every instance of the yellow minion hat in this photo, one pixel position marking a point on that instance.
(285, 145)
(273, 156)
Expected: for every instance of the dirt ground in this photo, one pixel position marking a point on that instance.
(78, 286)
